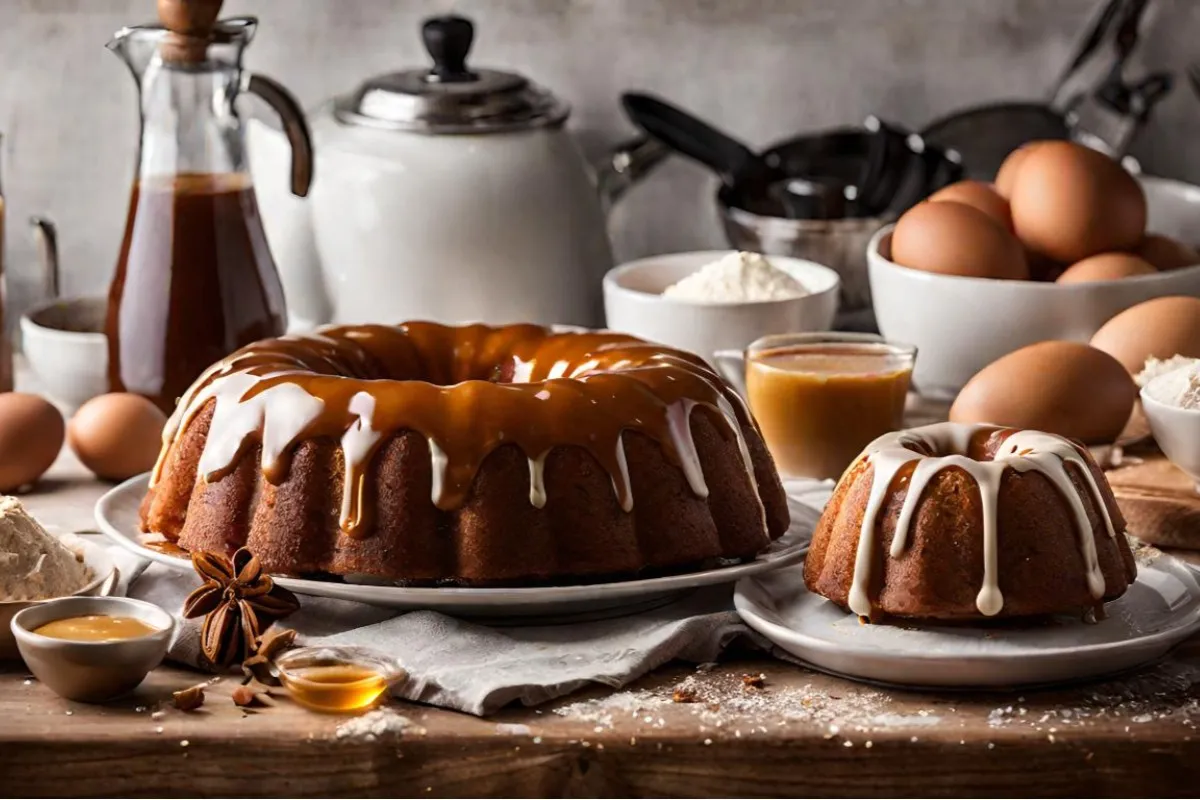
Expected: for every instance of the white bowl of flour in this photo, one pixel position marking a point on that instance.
(719, 299)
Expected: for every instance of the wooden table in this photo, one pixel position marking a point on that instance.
(801, 734)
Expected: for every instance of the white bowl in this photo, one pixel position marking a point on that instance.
(66, 348)
(633, 303)
(1176, 430)
(92, 672)
(960, 325)
(104, 580)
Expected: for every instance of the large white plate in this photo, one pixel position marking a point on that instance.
(1161, 609)
(117, 517)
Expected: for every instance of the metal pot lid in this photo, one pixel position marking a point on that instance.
(450, 97)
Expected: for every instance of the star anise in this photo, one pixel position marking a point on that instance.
(238, 601)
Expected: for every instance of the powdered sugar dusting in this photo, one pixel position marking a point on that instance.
(377, 724)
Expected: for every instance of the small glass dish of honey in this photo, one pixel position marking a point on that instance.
(337, 680)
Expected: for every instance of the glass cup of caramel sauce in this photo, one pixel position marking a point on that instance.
(820, 398)
(336, 679)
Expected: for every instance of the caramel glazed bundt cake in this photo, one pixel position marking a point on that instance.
(956, 521)
(426, 454)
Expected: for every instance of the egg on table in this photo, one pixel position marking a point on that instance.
(978, 195)
(31, 434)
(1068, 388)
(1070, 202)
(1162, 327)
(1165, 253)
(1106, 267)
(117, 435)
(951, 238)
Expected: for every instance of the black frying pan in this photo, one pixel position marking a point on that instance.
(846, 172)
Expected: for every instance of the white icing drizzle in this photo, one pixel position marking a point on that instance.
(537, 481)
(621, 483)
(438, 463)
(679, 422)
(358, 442)
(1023, 451)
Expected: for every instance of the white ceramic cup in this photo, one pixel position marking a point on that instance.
(66, 348)
(634, 303)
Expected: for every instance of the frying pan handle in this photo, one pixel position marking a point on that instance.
(689, 135)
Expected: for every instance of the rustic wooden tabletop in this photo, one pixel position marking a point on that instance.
(799, 733)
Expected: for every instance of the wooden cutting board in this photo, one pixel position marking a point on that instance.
(1159, 501)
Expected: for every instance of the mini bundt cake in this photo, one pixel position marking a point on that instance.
(957, 522)
(475, 455)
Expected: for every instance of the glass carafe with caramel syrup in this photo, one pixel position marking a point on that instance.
(195, 279)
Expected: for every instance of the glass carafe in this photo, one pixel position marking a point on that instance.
(195, 279)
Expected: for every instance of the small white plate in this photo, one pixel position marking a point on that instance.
(1161, 609)
(117, 517)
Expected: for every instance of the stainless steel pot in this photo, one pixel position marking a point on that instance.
(840, 244)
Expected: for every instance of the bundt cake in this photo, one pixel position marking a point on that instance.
(427, 454)
(955, 521)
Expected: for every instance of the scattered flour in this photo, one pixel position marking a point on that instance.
(376, 724)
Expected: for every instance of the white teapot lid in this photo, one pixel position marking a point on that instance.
(449, 97)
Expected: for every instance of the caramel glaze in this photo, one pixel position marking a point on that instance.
(467, 390)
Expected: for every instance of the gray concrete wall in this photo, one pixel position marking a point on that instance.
(763, 69)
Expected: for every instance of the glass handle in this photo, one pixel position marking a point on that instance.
(295, 127)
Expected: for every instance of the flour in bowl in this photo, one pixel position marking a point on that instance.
(1179, 387)
(1161, 366)
(737, 278)
(34, 565)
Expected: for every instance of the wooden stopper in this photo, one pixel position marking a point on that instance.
(190, 23)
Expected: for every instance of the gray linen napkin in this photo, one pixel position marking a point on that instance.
(479, 668)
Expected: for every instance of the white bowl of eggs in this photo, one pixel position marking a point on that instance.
(1053, 250)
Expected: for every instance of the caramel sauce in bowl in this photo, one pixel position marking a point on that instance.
(96, 628)
(92, 670)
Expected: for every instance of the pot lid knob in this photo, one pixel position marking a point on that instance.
(448, 40)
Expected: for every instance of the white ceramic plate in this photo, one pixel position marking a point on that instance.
(117, 517)
(1161, 609)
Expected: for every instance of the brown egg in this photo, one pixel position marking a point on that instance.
(978, 195)
(1163, 327)
(117, 435)
(31, 434)
(1106, 267)
(1165, 253)
(954, 239)
(1066, 388)
(1007, 174)
(1070, 202)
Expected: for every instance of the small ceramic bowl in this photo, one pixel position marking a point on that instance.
(960, 325)
(1176, 430)
(633, 303)
(67, 350)
(92, 672)
(104, 580)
